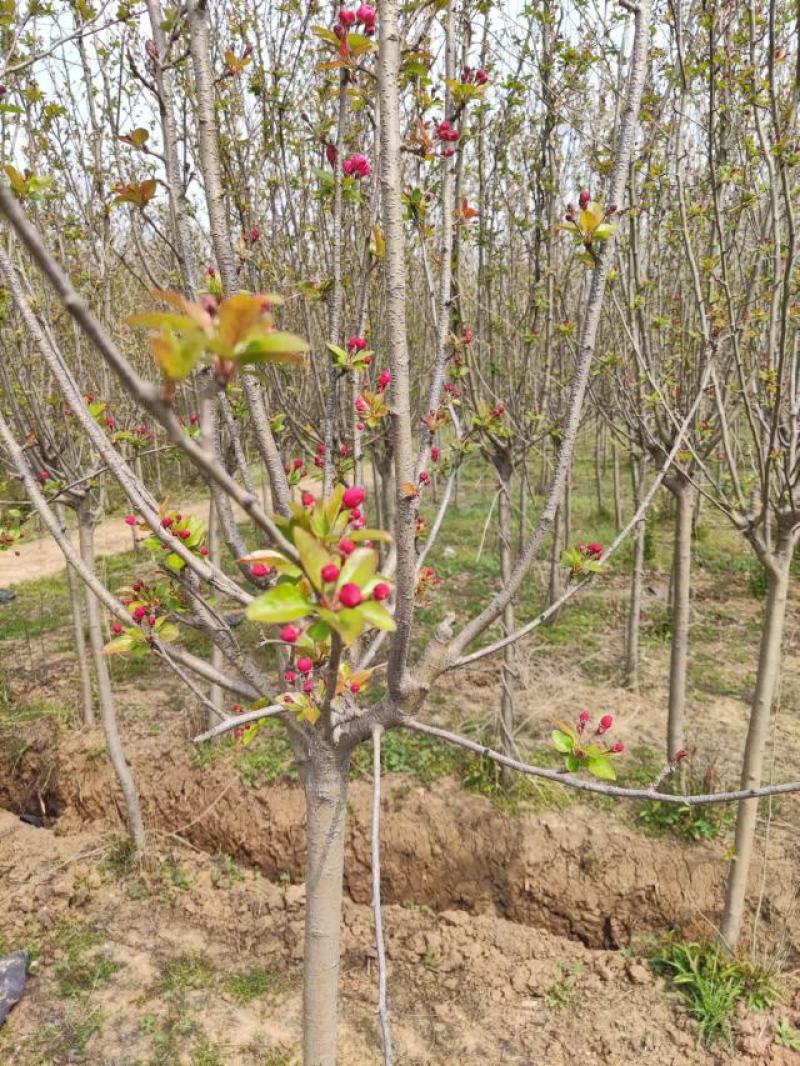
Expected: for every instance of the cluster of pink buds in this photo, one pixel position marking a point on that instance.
(452, 391)
(445, 131)
(434, 454)
(604, 725)
(384, 381)
(364, 14)
(474, 77)
(352, 499)
(357, 166)
(357, 344)
(592, 551)
(499, 411)
(255, 235)
(142, 606)
(319, 458)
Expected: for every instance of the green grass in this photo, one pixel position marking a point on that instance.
(246, 985)
(186, 973)
(82, 969)
(714, 984)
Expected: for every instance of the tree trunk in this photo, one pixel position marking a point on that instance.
(505, 531)
(105, 695)
(637, 577)
(325, 781)
(681, 593)
(617, 495)
(216, 693)
(76, 609)
(769, 659)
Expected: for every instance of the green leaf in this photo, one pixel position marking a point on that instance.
(348, 623)
(119, 645)
(174, 562)
(312, 555)
(275, 347)
(370, 534)
(359, 567)
(562, 741)
(167, 632)
(600, 766)
(375, 614)
(572, 763)
(284, 603)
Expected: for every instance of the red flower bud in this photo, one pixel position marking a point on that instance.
(131, 520)
(381, 591)
(360, 427)
(355, 687)
(606, 723)
(139, 613)
(184, 534)
(116, 628)
(236, 708)
(259, 570)
(330, 572)
(290, 677)
(308, 687)
(289, 634)
(357, 344)
(384, 380)
(346, 546)
(584, 199)
(255, 235)
(434, 454)
(305, 665)
(618, 747)
(308, 499)
(203, 551)
(330, 154)
(297, 463)
(347, 18)
(350, 595)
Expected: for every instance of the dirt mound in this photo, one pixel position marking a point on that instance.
(577, 873)
(195, 956)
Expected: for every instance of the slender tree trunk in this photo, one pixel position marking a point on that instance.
(617, 494)
(598, 472)
(769, 659)
(76, 610)
(216, 693)
(637, 577)
(505, 530)
(554, 590)
(325, 781)
(683, 493)
(105, 695)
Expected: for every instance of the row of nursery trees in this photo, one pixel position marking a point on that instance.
(312, 259)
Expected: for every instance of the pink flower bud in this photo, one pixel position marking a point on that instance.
(365, 13)
(259, 570)
(308, 687)
(255, 235)
(381, 591)
(346, 546)
(347, 18)
(384, 380)
(618, 747)
(329, 573)
(361, 405)
(350, 595)
(584, 199)
(289, 634)
(290, 677)
(360, 427)
(357, 344)
(297, 463)
(355, 687)
(353, 496)
(139, 613)
(434, 454)
(606, 723)
(308, 499)
(331, 154)
(131, 520)
(305, 665)
(116, 628)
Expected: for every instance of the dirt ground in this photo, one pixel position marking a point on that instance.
(514, 936)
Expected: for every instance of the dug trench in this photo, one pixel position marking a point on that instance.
(577, 872)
